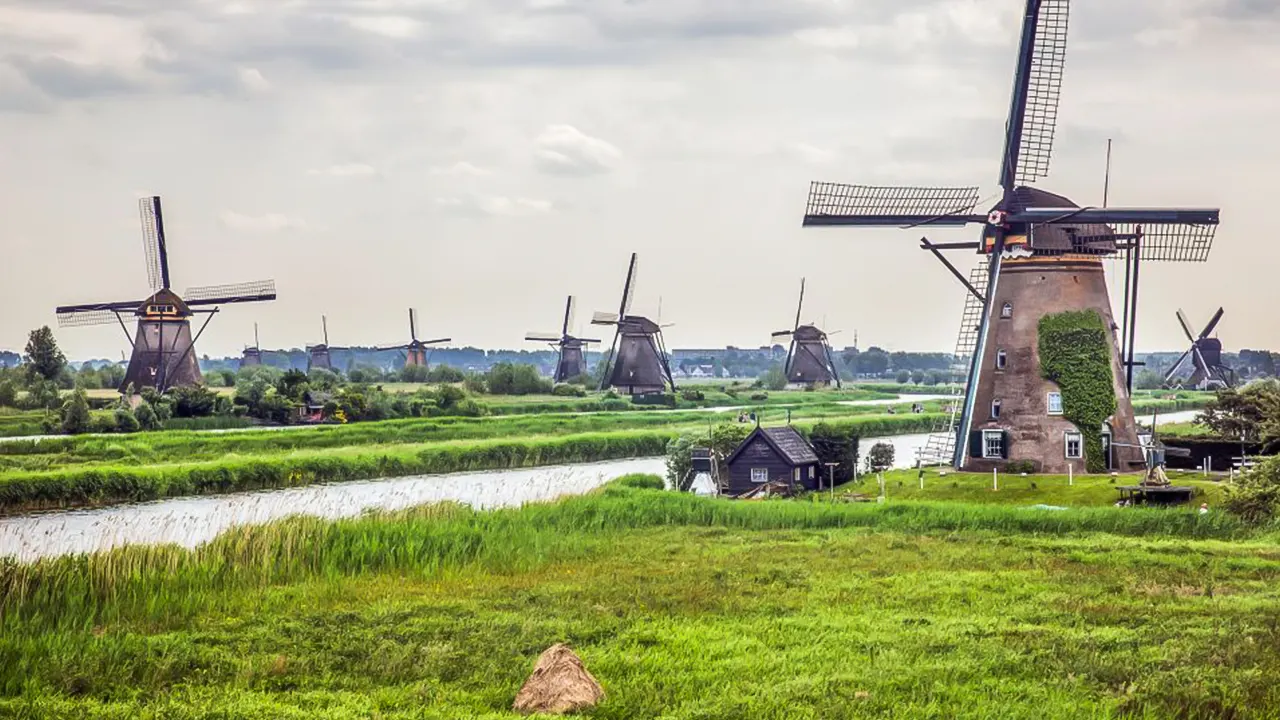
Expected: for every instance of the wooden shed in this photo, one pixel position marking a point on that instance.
(776, 454)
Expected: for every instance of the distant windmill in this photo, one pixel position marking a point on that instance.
(637, 361)
(318, 356)
(163, 346)
(809, 357)
(1206, 358)
(415, 351)
(252, 355)
(572, 362)
(1039, 254)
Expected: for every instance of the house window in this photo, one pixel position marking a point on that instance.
(759, 475)
(1006, 311)
(811, 472)
(1055, 403)
(992, 443)
(1075, 446)
(1002, 359)
(995, 409)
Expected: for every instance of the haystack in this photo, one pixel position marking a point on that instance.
(559, 684)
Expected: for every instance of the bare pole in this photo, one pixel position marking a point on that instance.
(1106, 183)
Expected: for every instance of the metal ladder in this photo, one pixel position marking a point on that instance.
(940, 447)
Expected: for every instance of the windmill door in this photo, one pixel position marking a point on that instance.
(1106, 448)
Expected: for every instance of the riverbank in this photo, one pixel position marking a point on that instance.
(913, 609)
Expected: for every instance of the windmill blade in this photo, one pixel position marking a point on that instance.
(782, 335)
(605, 318)
(154, 250)
(585, 341)
(542, 337)
(799, 305)
(1208, 329)
(1033, 114)
(891, 206)
(570, 308)
(84, 318)
(1186, 326)
(413, 324)
(628, 289)
(383, 348)
(1176, 367)
(434, 342)
(257, 291)
(324, 323)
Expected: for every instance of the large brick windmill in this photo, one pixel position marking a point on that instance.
(1041, 255)
(637, 361)
(809, 360)
(572, 360)
(163, 347)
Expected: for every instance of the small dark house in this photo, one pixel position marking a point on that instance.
(776, 454)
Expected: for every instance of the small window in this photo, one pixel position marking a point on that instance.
(1055, 403)
(1002, 359)
(1075, 446)
(796, 474)
(759, 475)
(995, 409)
(1006, 310)
(812, 471)
(992, 443)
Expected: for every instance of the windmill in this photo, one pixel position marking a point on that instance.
(572, 362)
(1040, 253)
(809, 357)
(252, 355)
(637, 360)
(415, 351)
(1206, 358)
(318, 356)
(163, 347)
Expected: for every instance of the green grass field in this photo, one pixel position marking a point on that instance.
(1059, 490)
(682, 607)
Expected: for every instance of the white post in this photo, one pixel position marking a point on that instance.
(1071, 474)
(995, 479)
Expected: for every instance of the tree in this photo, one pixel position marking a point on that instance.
(1255, 495)
(880, 457)
(146, 416)
(834, 444)
(75, 413)
(445, 374)
(917, 377)
(192, 401)
(44, 359)
(903, 377)
(126, 421)
(8, 394)
(680, 462)
(773, 378)
(1148, 379)
(1251, 414)
(506, 378)
(873, 361)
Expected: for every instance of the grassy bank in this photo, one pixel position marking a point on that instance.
(1059, 490)
(680, 606)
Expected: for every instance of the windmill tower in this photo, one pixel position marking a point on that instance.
(637, 360)
(415, 351)
(1209, 372)
(318, 356)
(572, 362)
(252, 356)
(809, 357)
(1040, 254)
(163, 345)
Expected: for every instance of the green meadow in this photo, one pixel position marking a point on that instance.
(682, 607)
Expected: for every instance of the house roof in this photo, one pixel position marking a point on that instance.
(788, 443)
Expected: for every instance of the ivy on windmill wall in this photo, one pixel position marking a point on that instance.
(1075, 354)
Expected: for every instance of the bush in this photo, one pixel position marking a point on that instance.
(692, 395)
(474, 383)
(8, 394)
(75, 413)
(445, 374)
(506, 378)
(192, 401)
(774, 378)
(759, 397)
(566, 390)
(1017, 467)
(640, 481)
(880, 457)
(102, 423)
(1255, 496)
(146, 416)
(126, 421)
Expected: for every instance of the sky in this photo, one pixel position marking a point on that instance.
(482, 159)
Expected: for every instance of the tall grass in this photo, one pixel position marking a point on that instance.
(164, 581)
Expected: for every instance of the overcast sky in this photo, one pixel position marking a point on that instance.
(481, 159)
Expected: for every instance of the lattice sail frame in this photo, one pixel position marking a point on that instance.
(1157, 242)
(1043, 91)
(234, 292)
(827, 199)
(151, 241)
(85, 318)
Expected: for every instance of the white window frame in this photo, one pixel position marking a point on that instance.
(759, 475)
(1049, 403)
(812, 472)
(986, 448)
(795, 475)
(1006, 311)
(1067, 438)
(1002, 359)
(995, 409)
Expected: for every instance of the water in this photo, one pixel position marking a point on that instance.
(190, 521)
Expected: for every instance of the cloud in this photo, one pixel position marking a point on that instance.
(493, 206)
(397, 27)
(266, 223)
(346, 170)
(460, 168)
(59, 78)
(251, 79)
(566, 150)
